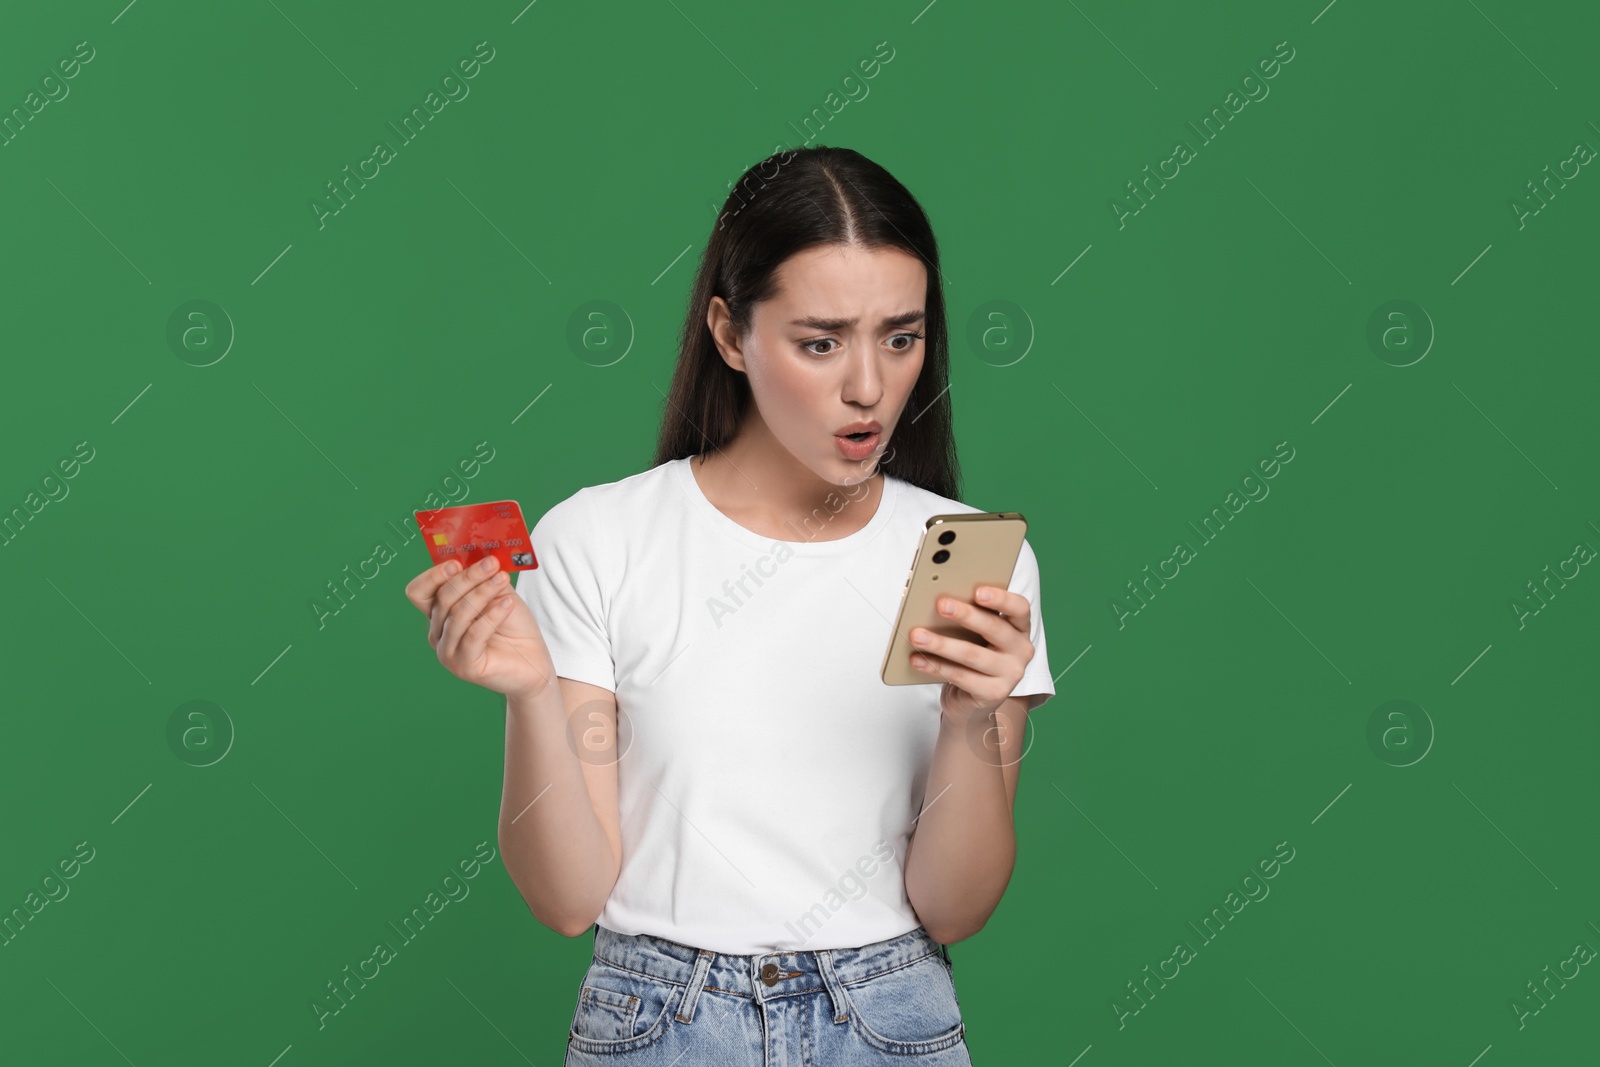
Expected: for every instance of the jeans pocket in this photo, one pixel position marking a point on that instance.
(620, 1010)
(909, 1010)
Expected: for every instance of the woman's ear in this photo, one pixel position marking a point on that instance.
(720, 321)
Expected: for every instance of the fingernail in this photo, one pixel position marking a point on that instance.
(984, 595)
(452, 568)
(918, 637)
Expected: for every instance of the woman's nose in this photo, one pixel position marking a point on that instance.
(863, 381)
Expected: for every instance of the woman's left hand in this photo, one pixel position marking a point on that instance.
(977, 676)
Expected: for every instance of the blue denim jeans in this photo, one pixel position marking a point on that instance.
(649, 1002)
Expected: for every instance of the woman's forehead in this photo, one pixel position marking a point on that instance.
(848, 282)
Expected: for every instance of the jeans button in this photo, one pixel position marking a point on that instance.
(769, 973)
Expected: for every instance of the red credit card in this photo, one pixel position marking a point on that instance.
(471, 532)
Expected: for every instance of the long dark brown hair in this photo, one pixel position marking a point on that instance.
(789, 202)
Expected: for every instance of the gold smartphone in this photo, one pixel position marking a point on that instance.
(957, 554)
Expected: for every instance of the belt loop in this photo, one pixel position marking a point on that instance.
(697, 983)
(841, 1003)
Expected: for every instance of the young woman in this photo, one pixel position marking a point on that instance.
(702, 762)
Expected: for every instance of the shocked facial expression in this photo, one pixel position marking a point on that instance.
(836, 350)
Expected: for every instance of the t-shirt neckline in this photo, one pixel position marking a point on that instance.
(709, 512)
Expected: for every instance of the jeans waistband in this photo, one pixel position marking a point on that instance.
(762, 974)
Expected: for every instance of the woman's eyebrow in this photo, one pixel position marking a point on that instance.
(905, 318)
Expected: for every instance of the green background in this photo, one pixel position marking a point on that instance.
(371, 355)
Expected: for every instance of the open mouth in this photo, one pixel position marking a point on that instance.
(857, 446)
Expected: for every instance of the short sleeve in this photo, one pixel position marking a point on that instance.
(565, 591)
(1036, 682)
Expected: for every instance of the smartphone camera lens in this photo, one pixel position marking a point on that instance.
(940, 556)
(946, 537)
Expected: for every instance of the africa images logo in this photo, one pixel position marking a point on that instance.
(411, 125)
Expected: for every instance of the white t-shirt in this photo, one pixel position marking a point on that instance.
(769, 779)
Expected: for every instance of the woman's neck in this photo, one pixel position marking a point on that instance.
(762, 487)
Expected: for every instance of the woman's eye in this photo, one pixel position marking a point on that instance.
(910, 342)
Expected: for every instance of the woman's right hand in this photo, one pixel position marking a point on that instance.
(481, 629)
